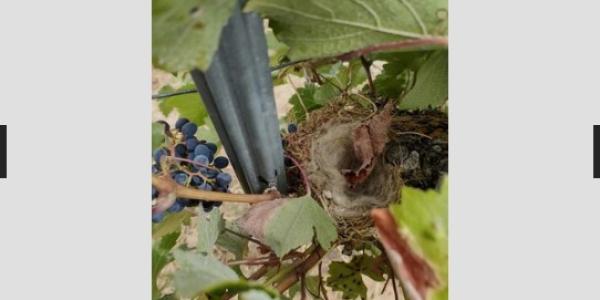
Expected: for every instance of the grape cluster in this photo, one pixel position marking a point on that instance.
(196, 167)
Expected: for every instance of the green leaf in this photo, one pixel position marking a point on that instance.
(197, 272)
(161, 257)
(168, 241)
(295, 222)
(431, 84)
(208, 132)
(325, 93)
(423, 215)
(233, 243)
(158, 136)
(353, 74)
(255, 295)
(185, 33)
(171, 223)
(189, 106)
(397, 76)
(209, 226)
(343, 277)
(240, 286)
(312, 285)
(277, 49)
(328, 27)
(344, 75)
(346, 276)
(303, 101)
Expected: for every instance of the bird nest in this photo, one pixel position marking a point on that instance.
(324, 147)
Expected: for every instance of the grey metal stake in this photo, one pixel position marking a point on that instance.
(238, 94)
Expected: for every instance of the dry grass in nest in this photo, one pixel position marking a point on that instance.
(342, 110)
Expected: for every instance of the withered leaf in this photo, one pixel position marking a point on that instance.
(368, 142)
(416, 273)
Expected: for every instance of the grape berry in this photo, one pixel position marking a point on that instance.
(210, 178)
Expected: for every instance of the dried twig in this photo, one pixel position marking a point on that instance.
(166, 185)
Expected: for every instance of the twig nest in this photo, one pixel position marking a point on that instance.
(331, 151)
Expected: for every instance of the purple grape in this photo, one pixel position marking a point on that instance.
(202, 150)
(181, 178)
(180, 122)
(212, 147)
(223, 180)
(160, 153)
(180, 150)
(221, 162)
(191, 143)
(189, 129)
(292, 128)
(157, 217)
(200, 160)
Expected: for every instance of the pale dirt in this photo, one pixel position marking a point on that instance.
(233, 211)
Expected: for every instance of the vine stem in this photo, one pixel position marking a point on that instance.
(163, 184)
(367, 66)
(396, 45)
(292, 277)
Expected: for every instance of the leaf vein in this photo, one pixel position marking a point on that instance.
(401, 33)
(370, 10)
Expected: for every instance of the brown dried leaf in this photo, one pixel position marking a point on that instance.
(368, 142)
(413, 270)
(254, 220)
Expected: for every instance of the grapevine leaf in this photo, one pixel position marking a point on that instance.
(233, 243)
(209, 226)
(208, 132)
(171, 223)
(285, 224)
(277, 49)
(295, 223)
(344, 277)
(185, 33)
(161, 257)
(167, 242)
(328, 27)
(398, 73)
(325, 93)
(189, 106)
(197, 272)
(240, 286)
(344, 76)
(353, 74)
(431, 84)
(423, 216)
(312, 285)
(303, 101)
(158, 136)
(255, 295)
